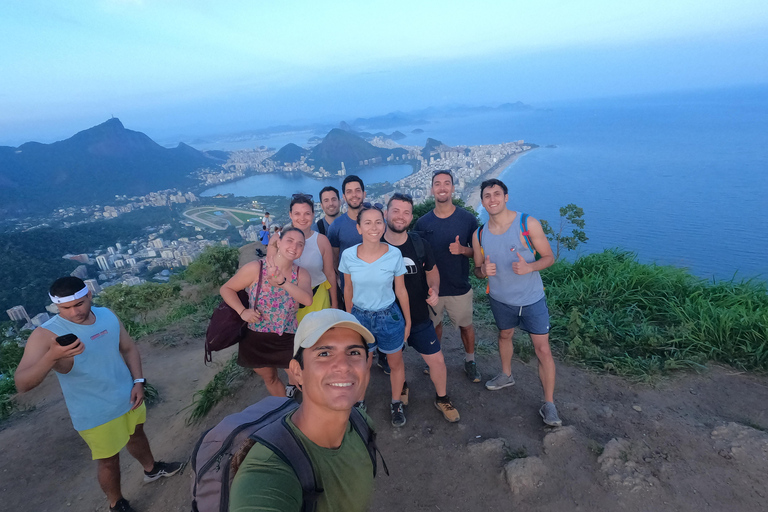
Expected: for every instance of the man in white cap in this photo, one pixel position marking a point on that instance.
(330, 367)
(99, 369)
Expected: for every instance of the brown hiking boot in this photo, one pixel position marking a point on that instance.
(445, 406)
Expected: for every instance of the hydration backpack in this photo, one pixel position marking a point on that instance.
(220, 451)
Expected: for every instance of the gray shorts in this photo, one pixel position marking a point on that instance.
(533, 318)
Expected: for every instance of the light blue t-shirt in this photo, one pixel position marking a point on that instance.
(372, 282)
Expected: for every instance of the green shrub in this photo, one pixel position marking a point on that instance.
(613, 313)
(214, 266)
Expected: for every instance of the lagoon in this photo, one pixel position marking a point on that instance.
(287, 183)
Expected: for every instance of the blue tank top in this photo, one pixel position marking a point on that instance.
(506, 286)
(98, 387)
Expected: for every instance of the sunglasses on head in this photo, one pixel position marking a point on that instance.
(302, 196)
(402, 197)
(377, 206)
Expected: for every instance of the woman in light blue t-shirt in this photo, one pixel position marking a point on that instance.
(370, 269)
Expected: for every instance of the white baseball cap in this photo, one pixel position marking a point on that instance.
(317, 323)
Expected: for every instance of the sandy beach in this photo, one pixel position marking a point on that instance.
(473, 199)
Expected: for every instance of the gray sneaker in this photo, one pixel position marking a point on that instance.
(548, 412)
(470, 368)
(500, 381)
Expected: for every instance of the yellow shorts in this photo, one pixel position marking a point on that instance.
(321, 300)
(108, 439)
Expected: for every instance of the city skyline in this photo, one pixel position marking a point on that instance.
(182, 69)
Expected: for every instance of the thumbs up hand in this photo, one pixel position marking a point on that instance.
(521, 267)
(488, 268)
(456, 247)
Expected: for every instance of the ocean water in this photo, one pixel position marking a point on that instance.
(680, 179)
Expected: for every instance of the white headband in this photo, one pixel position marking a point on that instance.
(77, 295)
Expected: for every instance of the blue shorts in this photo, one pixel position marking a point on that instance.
(387, 326)
(423, 338)
(533, 318)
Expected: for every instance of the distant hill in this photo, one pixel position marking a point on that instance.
(396, 135)
(432, 146)
(93, 166)
(289, 153)
(342, 146)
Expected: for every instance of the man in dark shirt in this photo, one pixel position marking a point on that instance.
(422, 281)
(331, 205)
(343, 232)
(449, 232)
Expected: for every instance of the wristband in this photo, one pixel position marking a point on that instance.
(284, 281)
(139, 381)
(241, 313)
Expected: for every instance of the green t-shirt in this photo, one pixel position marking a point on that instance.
(265, 483)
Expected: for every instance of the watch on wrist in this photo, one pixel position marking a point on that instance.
(139, 381)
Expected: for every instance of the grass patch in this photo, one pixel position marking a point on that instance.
(222, 385)
(7, 392)
(178, 310)
(756, 426)
(151, 395)
(10, 355)
(517, 453)
(595, 447)
(611, 313)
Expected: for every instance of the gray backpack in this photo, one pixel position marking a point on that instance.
(220, 451)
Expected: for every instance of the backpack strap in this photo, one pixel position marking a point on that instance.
(418, 244)
(526, 233)
(279, 438)
(368, 436)
(482, 252)
(320, 226)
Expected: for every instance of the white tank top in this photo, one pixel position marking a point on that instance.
(312, 260)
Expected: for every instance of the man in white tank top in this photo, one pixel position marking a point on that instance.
(101, 355)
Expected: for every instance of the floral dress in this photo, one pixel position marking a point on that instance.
(269, 342)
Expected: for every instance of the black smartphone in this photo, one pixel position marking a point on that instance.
(67, 339)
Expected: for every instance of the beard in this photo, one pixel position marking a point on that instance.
(396, 230)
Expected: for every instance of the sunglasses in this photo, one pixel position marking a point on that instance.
(377, 206)
(302, 196)
(402, 197)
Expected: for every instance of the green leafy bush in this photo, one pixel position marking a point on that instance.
(213, 267)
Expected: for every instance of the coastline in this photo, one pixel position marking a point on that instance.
(473, 199)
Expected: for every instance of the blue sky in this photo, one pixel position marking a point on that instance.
(185, 68)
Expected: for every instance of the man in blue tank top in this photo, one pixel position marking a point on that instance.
(516, 292)
(99, 370)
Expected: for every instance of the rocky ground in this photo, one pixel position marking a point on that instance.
(692, 442)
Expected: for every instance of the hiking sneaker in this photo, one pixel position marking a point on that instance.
(382, 363)
(398, 413)
(162, 469)
(548, 413)
(445, 406)
(121, 506)
(404, 394)
(361, 406)
(290, 391)
(502, 380)
(470, 368)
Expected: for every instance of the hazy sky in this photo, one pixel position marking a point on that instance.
(192, 67)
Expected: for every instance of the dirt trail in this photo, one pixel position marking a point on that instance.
(685, 444)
